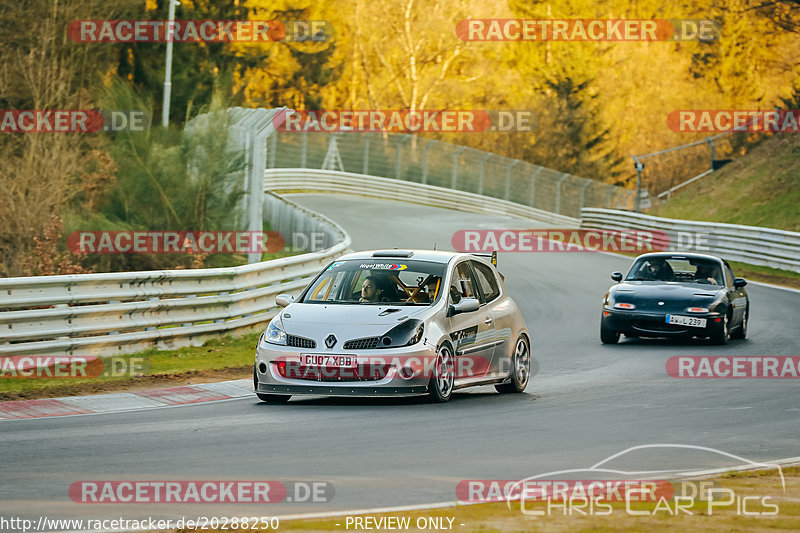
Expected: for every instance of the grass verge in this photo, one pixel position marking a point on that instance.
(766, 274)
(217, 360)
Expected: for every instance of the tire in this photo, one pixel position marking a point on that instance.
(440, 387)
(723, 335)
(520, 368)
(270, 398)
(741, 332)
(273, 398)
(608, 335)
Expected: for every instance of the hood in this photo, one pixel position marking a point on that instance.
(676, 297)
(364, 314)
(346, 321)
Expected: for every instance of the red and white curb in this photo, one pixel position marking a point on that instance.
(126, 401)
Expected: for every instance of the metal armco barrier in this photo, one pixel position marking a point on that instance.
(748, 244)
(122, 312)
(404, 191)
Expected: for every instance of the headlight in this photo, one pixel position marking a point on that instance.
(417, 336)
(408, 333)
(275, 333)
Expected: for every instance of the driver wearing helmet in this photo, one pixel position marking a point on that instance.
(657, 270)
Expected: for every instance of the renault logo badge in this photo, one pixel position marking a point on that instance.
(330, 341)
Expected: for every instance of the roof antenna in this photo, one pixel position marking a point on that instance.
(434, 246)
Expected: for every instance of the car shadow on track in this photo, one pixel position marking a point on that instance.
(672, 342)
(459, 398)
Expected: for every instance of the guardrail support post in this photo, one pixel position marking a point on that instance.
(583, 196)
(304, 150)
(425, 161)
(366, 154)
(608, 197)
(454, 179)
(533, 184)
(398, 164)
(480, 177)
(710, 141)
(558, 192)
(508, 178)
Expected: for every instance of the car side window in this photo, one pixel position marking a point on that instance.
(728, 275)
(462, 286)
(486, 280)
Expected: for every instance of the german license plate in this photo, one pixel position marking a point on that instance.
(691, 321)
(335, 361)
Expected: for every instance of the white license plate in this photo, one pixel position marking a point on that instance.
(691, 321)
(331, 361)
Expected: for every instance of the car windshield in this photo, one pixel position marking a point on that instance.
(378, 282)
(677, 269)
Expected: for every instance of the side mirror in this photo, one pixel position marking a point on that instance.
(283, 300)
(739, 282)
(465, 305)
(616, 276)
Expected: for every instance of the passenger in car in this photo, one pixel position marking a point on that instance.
(427, 294)
(705, 274)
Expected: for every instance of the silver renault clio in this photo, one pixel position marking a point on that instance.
(395, 322)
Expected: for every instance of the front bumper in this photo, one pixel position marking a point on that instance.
(395, 378)
(647, 324)
(323, 390)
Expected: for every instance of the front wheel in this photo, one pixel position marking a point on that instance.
(520, 368)
(723, 334)
(607, 334)
(741, 333)
(440, 387)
